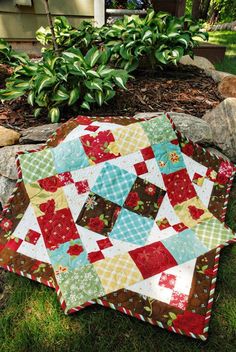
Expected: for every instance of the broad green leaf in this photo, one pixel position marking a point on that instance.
(92, 56)
(85, 105)
(11, 94)
(37, 112)
(46, 82)
(120, 82)
(54, 115)
(99, 98)
(74, 96)
(30, 98)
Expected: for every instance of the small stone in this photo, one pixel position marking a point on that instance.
(222, 120)
(38, 134)
(227, 87)
(217, 76)
(8, 136)
(6, 189)
(198, 61)
(7, 159)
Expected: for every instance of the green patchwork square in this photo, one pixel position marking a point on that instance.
(212, 233)
(158, 129)
(36, 166)
(90, 286)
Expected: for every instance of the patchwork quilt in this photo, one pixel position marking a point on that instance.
(125, 213)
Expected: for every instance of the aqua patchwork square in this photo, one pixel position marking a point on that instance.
(184, 246)
(158, 129)
(131, 227)
(114, 183)
(169, 157)
(69, 255)
(70, 156)
(36, 166)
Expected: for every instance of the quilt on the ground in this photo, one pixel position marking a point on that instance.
(128, 219)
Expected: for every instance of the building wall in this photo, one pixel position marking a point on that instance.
(21, 22)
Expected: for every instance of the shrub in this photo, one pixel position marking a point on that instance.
(68, 79)
(10, 56)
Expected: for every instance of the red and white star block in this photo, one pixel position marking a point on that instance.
(167, 281)
(82, 186)
(179, 300)
(104, 243)
(32, 237)
(141, 168)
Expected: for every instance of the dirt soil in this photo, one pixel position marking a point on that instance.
(183, 89)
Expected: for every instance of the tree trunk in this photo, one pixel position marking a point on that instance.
(49, 16)
(205, 9)
(196, 9)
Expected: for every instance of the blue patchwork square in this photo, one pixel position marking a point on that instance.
(69, 255)
(131, 227)
(169, 157)
(70, 156)
(114, 183)
(184, 246)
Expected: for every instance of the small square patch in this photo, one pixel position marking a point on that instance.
(179, 300)
(114, 183)
(92, 128)
(131, 227)
(141, 168)
(198, 179)
(144, 198)
(163, 223)
(32, 237)
(65, 178)
(167, 281)
(98, 214)
(104, 243)
(147, 153)
(95, 256)
(169, 157)
(14, 243)
(82, 186)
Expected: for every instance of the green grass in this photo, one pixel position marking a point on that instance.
(32, 319)
(228, 39)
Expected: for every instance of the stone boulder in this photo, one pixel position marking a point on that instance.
(8, 137)
(198, 61)
(38, 134)
(217, 76)
(6, 189)
(222, 120)
(7, 159)
(227, 87)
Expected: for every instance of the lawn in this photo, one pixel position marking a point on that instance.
(228, 39)
(32, 319)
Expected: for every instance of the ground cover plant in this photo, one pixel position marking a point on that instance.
(10, 56)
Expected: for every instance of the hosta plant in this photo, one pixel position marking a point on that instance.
(10, 56)
(67, 36)
(66, 80)
(160, 37)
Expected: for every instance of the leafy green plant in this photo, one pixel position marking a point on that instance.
(66, 80)
(10, 56)
(67, 36)
(162, 38)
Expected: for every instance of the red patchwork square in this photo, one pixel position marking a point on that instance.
(179, 300)
(179, 187)
(141, 168)
(92, 128)
(57, 227)
(104, 243)
(32, 237)
(163, 224)
(147, 153)
(167, 281)
(99, 146)
(65, 178)
(152, 259)
(14, 243)
(179, 227)
(82, 186)
(95, 256)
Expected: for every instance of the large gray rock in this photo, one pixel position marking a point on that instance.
(8, 136)
(217, 76)
(192, 127)
(6, 189)
(38, 134)
(198, 61)
(222, 120)
(7, 159)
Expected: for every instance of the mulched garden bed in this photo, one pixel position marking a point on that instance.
(184, 89)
